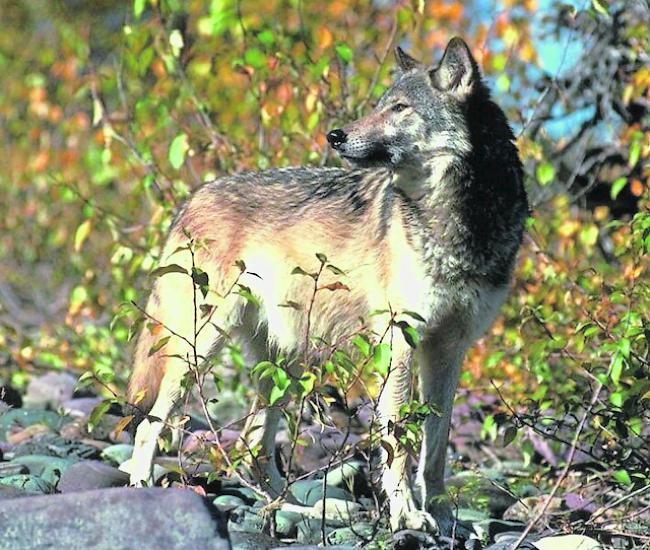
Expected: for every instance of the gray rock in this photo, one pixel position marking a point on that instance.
(22, 418)
(225, 503)
(344, 474)
(337, 511)
(11, 492)
(309, 531)
(55, 445)
(28, 483)
(111, 519)
(286, 523)
(9, 469)
(567, 542)
(117, 454)
(80, 406)
(245, 520)
(50, 468)
(353, 535)
(253, 541)
(50, 390)
(490, 528)
(309, 491)
(91, 474)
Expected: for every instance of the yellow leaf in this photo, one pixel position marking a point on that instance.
(82, 234)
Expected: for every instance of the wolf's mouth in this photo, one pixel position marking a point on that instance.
(378, 154)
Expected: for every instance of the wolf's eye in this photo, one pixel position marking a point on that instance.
(398, 107)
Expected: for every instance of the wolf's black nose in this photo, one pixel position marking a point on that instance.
(337, 137)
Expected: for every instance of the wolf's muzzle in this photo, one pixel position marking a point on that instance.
(337, 138)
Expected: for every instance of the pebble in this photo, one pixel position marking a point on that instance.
(91, 474)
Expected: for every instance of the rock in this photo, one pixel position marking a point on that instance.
(310, 491)
(10, 469)
(55, 445)
(479, 490)
(467, 514)
(117, 454)
(50, 390)
(28, 483)
(7, 492)
(50, 468)
(245, 520)
(286, 523)
(337, 510)
(309, 531)
(253, 541)
(225, 503)
(354, 535)
(80, 406)
(528, 507)
(91, 474)
(18, 419)
(344, 474)
(47, 467)
(567, 542)
(111, 519)
(488, 529)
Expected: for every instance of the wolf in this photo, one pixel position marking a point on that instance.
(428, 219)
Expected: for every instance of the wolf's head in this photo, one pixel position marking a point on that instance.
(424, 113)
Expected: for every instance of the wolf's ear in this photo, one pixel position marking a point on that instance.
(404, 60)
(457, 71)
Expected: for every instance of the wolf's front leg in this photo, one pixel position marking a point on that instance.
(440, 367)
(404, 512)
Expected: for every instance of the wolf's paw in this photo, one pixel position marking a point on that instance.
(136, 478)
(417, 520)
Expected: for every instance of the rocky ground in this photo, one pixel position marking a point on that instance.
(60, 487)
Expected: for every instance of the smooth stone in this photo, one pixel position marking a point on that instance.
(347, 535)
(528, 507)
(111, 519)
(91, 474)
(252, 541)
(54, 445)
(10, 469)
(80, 406)
(11, 492)
(345, 473)
(245, 520)
(337, 510)
(490, 528)
(50, 390)
(467, 514)
(286, 523)
(225, 503)
(27, 482)
(117, 454)
(567, 542)
(309, 491)
(309, 531)
(23, 418)
(50, 468)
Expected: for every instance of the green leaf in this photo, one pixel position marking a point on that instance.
(255, 58)
(634, 153)
(509, 435)
(410, 334)
(276, 394)
(138, 8)
(177, 150)
(266, 37)
(301, 271)
(381, 358)
(82, 234)
(321, 257)
(415, 316)
(617, 187)
(158, 345)
(201, 280)
(344, 52)
(600, 6)
(335, 269)
(307, 383)
(545, 173)
(171, 268)
(622, 477)
(98, 412)
(362, 345)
